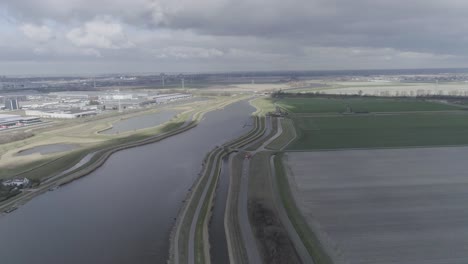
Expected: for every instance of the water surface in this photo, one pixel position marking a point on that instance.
(47, 149)
(218, 244)
(124, 211)
(140, 122)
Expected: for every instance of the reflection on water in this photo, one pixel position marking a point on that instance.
(140, 122)
(124, 211)
(47, 149)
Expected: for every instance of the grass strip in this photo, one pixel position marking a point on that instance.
(308, 237)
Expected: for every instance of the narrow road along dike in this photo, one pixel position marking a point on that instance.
(284, 218)
(250, 243)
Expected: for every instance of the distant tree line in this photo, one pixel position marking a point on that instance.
(461, 99)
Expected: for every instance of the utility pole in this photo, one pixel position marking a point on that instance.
(162, 79)
(120, 105)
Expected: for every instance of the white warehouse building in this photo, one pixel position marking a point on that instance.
(62, 114)
(164, 98)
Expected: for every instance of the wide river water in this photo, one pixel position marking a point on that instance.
(124, 211)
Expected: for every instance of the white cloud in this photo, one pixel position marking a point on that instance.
(36, 33)
(91, 52)
(295, 34)
(188, 52)
(100, 33)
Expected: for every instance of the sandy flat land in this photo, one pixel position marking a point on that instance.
(386, 206)
(260, 87)
(404, 89)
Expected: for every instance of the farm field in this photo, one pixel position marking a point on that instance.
(385, 206)
(324, 123)
(380, 131)
(394, 89)
(331, 105)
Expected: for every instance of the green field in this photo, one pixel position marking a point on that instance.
(376, 131)
(326, 105)
(286, 136)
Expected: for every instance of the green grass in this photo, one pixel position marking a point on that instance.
(286, 136)
(376, 131)
(209, 161)
(259, 187)
(325, 105)
(262, 130)
(263, 106)
(40, 169)
(199, 242)
(310, 240)
(185, 228)
(237, 243)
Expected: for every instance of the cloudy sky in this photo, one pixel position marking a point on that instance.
(106, 36)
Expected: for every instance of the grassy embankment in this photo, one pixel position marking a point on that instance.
(272, 237)
(259, 190)
(201, 249)
(234, 237)
(263, 106)
(212, 162)
(48, 166)
(308, 237)
(105, 150)
(197, 190)
(179, 125)
(273, 130)
(320, 123)
(201, 238)
(288, 134)
(79, 133)
(85, 133)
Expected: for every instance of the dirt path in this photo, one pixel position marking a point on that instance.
(250, 243)
(193, 226)
(279, 131)
(284, 218)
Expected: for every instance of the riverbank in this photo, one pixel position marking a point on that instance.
(190, 220)
(189, 239)
(182, 123)
(84, 134)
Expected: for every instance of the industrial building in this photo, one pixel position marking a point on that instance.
(11, 104)
(19, 183)
(118, 96)
(7, 121)
(165, 98)
(61, 114)
(72, 95)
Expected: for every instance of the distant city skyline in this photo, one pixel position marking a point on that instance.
(53, 37)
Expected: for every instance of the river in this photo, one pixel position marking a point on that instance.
(124, 211)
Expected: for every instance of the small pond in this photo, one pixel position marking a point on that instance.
(140, 122)
(48, 149)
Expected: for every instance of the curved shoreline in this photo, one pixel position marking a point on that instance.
(203, 188)
(103, 154)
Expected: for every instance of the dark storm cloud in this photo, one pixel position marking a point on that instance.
(395, 23)
(279, 30)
